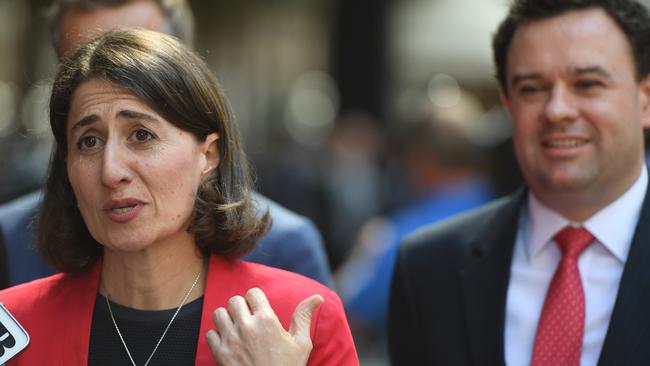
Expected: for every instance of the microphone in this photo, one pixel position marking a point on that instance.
(13, 337)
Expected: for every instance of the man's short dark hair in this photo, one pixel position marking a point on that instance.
(631, 17)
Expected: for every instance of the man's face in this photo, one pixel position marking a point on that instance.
(79, 26)
(578, 110)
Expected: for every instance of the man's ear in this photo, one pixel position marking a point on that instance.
(644, 101)
(210, 149)
(505, 101)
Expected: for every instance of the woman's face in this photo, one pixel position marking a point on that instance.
(134, 174)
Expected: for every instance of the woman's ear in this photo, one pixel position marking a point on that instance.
(211, 153)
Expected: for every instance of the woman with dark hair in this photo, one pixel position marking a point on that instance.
(146, 208)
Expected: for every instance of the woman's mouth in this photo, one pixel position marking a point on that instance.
(123, 210)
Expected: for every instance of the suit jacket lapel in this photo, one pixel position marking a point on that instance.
(629, 328)
(485, 282)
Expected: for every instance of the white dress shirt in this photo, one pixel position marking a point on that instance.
(536, 257)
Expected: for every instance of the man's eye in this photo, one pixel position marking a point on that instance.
(142, 135)
(529, 89)
(588, 84)
(87, 142)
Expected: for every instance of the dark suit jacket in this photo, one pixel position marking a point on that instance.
(449, 291)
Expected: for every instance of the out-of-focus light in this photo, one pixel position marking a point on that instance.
(312, 108)
(14, 17)
(7, 108)
(34, 109)
(444, 91)
(449, 35)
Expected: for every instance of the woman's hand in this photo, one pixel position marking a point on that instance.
(251, 334)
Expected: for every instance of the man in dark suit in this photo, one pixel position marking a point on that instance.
(559, 272)
(293, 243)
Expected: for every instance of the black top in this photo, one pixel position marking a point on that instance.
(141, 330)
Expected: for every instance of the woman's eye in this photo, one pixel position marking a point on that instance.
(87, 142)
(142, 135)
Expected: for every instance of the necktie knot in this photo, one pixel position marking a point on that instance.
(573, 241)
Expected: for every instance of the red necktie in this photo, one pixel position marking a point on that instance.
(562, 324)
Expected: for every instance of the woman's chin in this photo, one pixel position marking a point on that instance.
(125, 247)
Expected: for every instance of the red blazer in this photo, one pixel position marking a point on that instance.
(57, 311)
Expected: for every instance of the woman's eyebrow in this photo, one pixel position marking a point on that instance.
(130, 114)
(85, 121)
(126, 113)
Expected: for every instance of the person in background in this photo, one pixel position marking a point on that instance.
(293, 242)
(146, 208)
(352, 181)
(443, 170)
(556, 273)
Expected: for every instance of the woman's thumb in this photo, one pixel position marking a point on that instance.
(301, 320)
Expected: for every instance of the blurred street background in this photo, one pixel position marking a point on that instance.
(371, 117)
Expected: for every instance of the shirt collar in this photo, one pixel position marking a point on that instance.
(613, 226)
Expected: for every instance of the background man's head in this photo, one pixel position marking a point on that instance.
(630, 16)
(75, 22)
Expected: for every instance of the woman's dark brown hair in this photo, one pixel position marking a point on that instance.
(179, 86)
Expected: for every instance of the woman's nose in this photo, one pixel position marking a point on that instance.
(115, 165)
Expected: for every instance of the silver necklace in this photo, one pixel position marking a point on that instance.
(108, 303)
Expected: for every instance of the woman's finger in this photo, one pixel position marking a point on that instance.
(239, 311)
(222, 320)
(257, 301)
(214, 341)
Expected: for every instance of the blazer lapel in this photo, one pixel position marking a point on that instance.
(626, 342)
(485, 282)
(74, 312)
(222, 282)
(87, 298)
